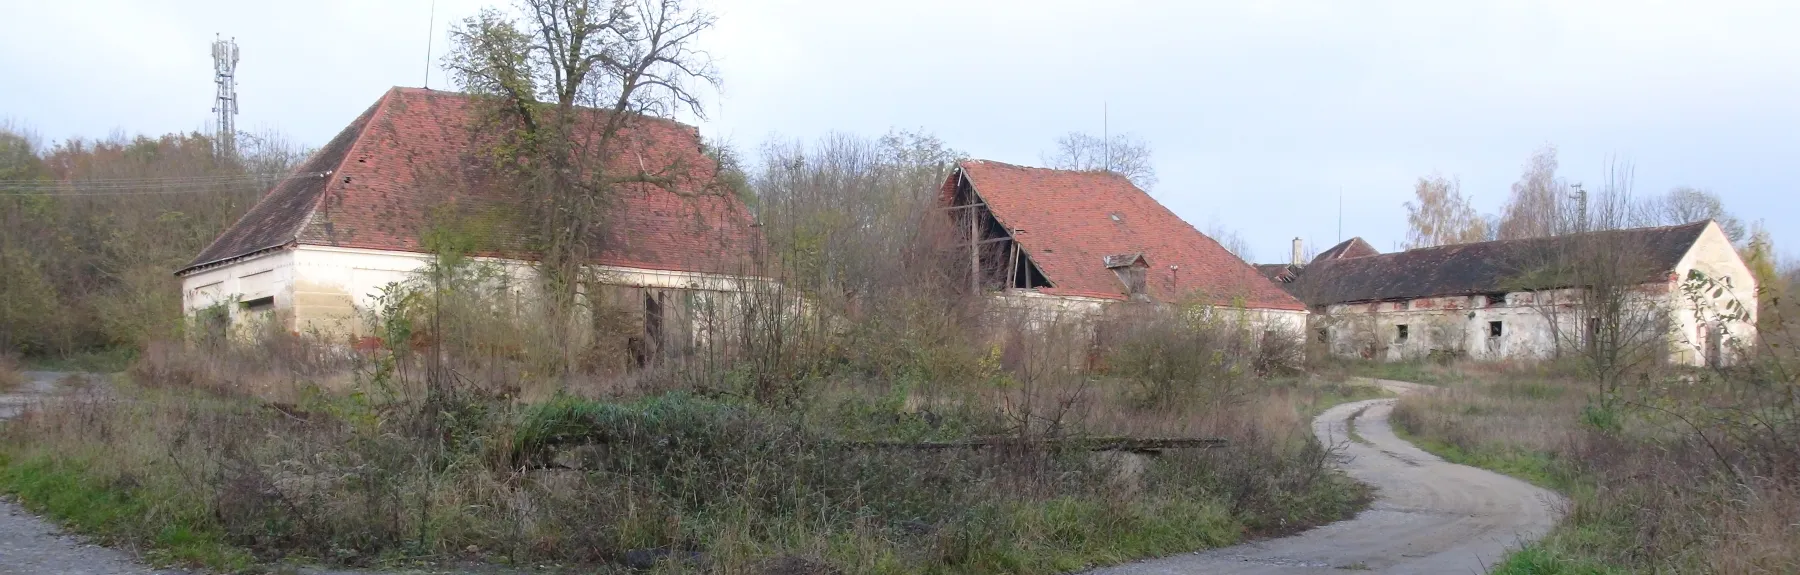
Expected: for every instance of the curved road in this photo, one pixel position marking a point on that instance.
(1429, 516)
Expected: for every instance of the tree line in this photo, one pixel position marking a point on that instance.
(1542, 203)
(95, 228)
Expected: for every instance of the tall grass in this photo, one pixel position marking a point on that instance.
(287, 448)
(1680, 479)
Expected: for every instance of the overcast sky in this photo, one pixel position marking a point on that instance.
(1260, 113)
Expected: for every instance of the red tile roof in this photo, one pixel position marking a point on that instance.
(415, 155)
(1068, 222)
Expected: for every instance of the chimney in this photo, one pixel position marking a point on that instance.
(1297, 252)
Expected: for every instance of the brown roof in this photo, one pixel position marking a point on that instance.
(1351, 248)
(1281, 273)
(1477, 268)
(415, 154)
(1069, 222)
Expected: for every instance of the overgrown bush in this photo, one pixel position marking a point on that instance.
(1694, 471)
(1195, 352)
(11, 375)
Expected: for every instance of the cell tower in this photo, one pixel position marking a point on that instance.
(225, 59)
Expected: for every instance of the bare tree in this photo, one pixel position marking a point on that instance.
(1441, 215)
(1604, 316)
(1230, 238)
(850, 216)
(1122, 154)
(561, 88)
(545, 73)
(1540, 202)
(1684, 205)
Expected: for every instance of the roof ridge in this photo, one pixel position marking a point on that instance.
(467, 95)
(294, 234)
(1699, 223)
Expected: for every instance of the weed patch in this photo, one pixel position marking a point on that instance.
(119, 510)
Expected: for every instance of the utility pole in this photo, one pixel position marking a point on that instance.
(430, 24)
(225, 59)
(1581, 208)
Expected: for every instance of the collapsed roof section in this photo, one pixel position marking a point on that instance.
(1075, 229)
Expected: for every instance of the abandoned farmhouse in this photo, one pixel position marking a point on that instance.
(1494, 300)
(320, 246)
(315, 253)
(1060, 240)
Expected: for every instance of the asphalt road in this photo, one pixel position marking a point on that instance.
(1429, 516)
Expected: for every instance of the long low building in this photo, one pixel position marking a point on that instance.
(1531, 298)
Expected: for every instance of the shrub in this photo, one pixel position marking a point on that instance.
(12, 376)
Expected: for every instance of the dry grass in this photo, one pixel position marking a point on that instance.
(283, 449)
(1680, 479)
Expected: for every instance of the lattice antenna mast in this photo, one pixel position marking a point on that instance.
(225, 59)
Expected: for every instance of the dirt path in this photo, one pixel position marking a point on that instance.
(1429, 516)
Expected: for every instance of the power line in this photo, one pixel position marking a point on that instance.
(71, 189)
(126, 184)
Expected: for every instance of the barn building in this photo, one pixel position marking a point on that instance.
(1524, 298)
(356, 216)
(1076, 241)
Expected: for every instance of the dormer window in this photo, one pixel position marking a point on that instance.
(1131, 269)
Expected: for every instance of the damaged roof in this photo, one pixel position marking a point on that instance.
(1351, 248)
(1075, 225)
(1477, 268)
(417, 156)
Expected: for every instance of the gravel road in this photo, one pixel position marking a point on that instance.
(1429, 516)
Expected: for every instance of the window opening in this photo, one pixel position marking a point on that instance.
(653, 322)
(1495, 329)
(1400, 333)
(260, 304)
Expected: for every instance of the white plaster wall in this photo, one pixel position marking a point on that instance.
(1536, 322)
(267, 275)
(1043, 307)
(1532, 324)
(326, 288)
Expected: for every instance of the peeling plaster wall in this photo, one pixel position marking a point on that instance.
(1042, 307)
(1530, 326)
(1535, 323)
(266, 275)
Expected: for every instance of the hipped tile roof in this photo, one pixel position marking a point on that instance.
(1069, 222)
(417, 154)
